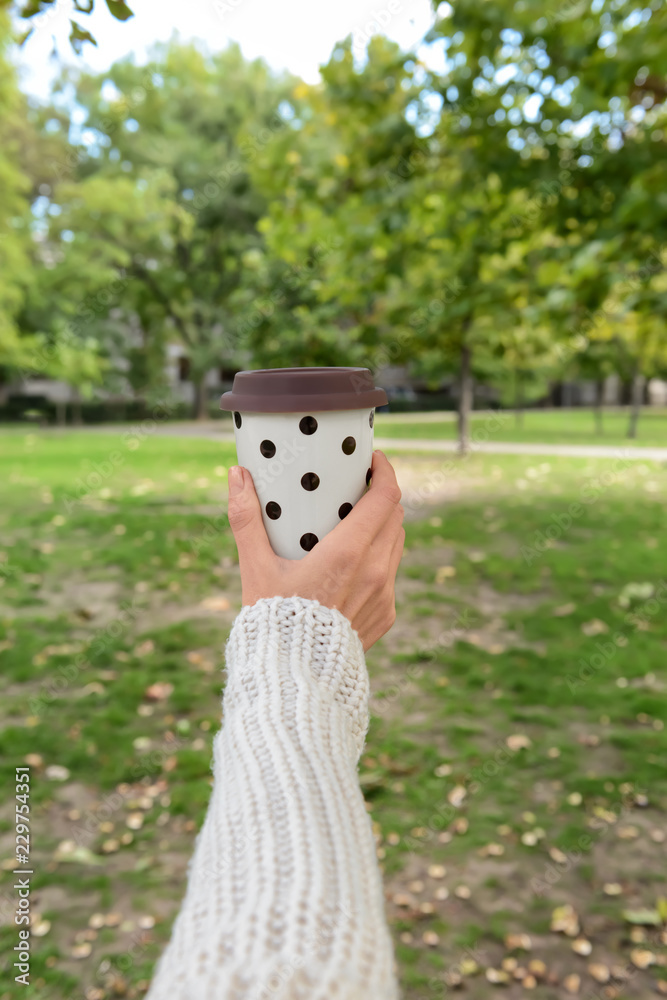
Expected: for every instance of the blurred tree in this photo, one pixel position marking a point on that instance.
(335, 227)
(595, 360)
(31, 9)
(578, 90)
(79, 364)
(14, 213)
(162, 194)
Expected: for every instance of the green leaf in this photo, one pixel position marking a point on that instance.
(78, 36)
(645, 917)
(76, 854)
(119, 10)
(33, 7)
(662, 908)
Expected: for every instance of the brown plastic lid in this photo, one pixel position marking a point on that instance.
(293, 390)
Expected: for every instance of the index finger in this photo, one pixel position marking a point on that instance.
(371, 513)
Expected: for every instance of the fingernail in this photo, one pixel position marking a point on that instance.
(235, 480)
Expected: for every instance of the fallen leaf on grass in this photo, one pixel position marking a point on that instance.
(599, 972)
(159, 691)
(594, 627)
(572, 983)
(215, 603)
(498, 977)
(456, 796)
(135, 820)
(81, 950)
(646, 917)
(564, 610)
(68, 850)
(444, 573)
(519, 741)
(641, 958)
(518, 942)
(56, 772)
(582, 946)
(612, 889)
(589, 740)
(491, 850)
(144, 648)
(564, 920)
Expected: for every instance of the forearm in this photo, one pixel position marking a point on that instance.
(284, 896)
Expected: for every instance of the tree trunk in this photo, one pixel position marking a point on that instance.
(599, 406)
(200, 411)
(637, 399)
(518, 400)
(61, 413)
(465, 399)
(76, 409)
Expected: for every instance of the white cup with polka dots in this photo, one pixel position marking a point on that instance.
(306, 436)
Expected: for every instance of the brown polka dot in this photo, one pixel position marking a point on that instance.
(310, 481)
(308, 425)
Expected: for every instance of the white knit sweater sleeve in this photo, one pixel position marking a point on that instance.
(284, 898)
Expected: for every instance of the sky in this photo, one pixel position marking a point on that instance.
(297, 35)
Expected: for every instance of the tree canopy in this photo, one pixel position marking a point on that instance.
(492, 208)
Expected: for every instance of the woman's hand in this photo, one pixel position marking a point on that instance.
(353, 568)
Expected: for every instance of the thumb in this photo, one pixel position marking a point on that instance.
(245, 517)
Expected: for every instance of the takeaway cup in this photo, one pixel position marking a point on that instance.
(306, 436)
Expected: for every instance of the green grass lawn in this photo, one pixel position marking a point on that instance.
(516, 761)
(534, 427)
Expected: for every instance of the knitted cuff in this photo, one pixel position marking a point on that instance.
(299, 641)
